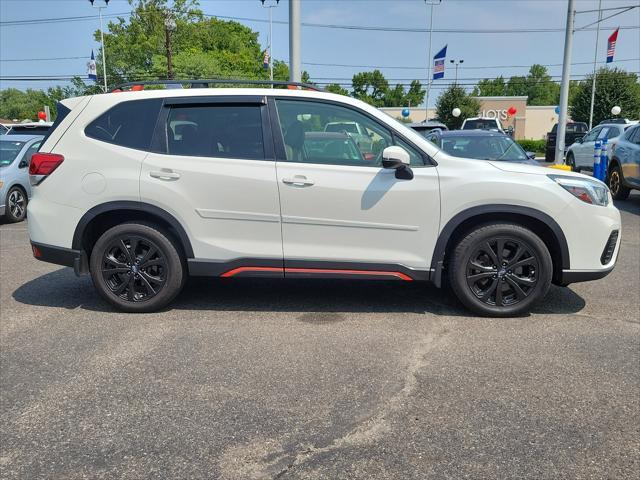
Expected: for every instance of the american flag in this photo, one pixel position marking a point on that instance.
(438, 63)
(611, 45)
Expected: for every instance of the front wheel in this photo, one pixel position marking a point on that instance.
(618, 190)
(500, 270)
(571, 162)
(137, 268)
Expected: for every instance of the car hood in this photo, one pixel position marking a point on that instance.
(534, 169)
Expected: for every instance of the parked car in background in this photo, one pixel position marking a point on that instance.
(580, 154)
(319, 146)
(481, 145)
(15, 190)
(423, 128)
(28, 128)
(624, 121)
(624, 164)
(482, 123)
(355, 130)
(574, 131)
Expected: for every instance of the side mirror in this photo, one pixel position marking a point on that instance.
(531, 155)
(398, 159)
(24, 163)
(579, 140)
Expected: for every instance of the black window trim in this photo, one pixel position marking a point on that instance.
(279, 139)
(160, 140)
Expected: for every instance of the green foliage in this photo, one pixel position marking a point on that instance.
(373, 88)
(537, 85)
(613, 87)
(335, 88)
(536, 146)
(456, 97)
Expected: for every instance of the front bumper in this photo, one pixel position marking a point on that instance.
(575, 276)
(77, 259)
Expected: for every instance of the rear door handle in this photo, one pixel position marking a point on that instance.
(299, 180)
(165, 174)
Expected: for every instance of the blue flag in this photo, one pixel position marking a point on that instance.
(91, 68)
(438, 63)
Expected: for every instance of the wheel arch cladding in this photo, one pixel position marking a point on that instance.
(104, 216)
(540, 223)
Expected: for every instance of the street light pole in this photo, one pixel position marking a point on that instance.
(430, 4)
(456, 63)
(595, 59)
(295, 71)
(564, 86)
(104, 52)
(169, 26)
(270, 42)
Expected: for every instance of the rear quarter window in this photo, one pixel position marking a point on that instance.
(127, 124)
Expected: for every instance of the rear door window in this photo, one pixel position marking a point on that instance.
(128, 124)
(215, 130)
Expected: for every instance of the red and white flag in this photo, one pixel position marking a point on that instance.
(611, 45)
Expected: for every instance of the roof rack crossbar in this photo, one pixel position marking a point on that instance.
(205, 83)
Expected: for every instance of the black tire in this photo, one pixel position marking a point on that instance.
(16, 205)
(501, 283)
(615, 181)
(143, 280)
(571, 161)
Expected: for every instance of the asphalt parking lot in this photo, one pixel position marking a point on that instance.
(319, 379)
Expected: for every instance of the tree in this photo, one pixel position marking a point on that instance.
(613, 87)
(370, 87)
(456, 97)
(335, 88)
(490, 88)
(537, 86)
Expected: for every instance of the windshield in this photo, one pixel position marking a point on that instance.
(9, 151)
(484, 148)
(480, 125)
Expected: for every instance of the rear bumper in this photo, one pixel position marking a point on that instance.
(77, 259)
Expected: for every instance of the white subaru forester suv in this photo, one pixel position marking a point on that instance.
(142, 188)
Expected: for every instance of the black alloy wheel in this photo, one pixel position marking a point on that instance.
(502, 271)
(137, 267)
(616, 186)
(134, 268)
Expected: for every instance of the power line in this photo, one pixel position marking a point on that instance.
(38, 21)
(86, 57)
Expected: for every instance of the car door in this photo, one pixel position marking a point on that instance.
(583, 152)
(630, 157)
(344, 212)
(213, 168)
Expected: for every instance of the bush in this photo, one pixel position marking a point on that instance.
(536, 146)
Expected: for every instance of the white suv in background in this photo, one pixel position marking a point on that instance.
(141, 189)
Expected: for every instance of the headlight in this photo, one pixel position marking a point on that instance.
(585, 189)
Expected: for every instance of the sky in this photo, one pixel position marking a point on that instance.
(400, 54)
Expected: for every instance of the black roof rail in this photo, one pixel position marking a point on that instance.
(206, 83)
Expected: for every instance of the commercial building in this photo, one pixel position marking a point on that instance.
(528, 121)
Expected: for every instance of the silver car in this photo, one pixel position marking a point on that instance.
(15, 154)
(580, 154)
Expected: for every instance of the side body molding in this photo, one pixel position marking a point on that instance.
(131, 206)
(437, 260)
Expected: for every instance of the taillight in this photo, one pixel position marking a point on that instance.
(43, 164)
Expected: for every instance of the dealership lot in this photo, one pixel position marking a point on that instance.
(317, 379)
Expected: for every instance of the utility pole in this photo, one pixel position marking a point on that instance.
(564, 86)
(430, 4)
(295, 71)
(595, 59)
(270, 42)
(104, 52)
(169, 27)
(456, 63)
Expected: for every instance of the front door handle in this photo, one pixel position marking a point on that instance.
(298, 180)
(165, 174)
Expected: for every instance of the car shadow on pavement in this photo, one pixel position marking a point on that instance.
(62, 289)
(630, 205)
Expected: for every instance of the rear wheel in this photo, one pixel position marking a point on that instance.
(500, 270)
(137, 268)
(618, 190)
(16, 205)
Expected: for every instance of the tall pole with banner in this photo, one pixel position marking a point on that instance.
(430, 4)
(104, 52)
(270, 42)
(564, 86)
